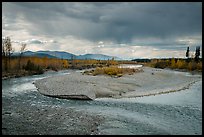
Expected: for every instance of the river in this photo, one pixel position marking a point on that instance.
(178, 113)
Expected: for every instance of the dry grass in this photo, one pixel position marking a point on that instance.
(112, 71)
(83, 64)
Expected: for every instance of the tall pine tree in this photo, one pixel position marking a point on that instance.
(197, 53)
(187, 54)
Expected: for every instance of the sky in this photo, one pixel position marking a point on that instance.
(124, 29)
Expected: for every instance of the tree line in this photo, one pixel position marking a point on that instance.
(188, 63)
(8, 50)
(197, 54)
(20, 63)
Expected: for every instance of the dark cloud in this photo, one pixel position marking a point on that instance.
(121, 22)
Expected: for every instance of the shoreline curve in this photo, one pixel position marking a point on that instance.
(151, 81)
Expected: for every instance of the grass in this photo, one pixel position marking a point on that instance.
(112, 71)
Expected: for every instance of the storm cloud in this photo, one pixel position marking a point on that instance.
(163, 25)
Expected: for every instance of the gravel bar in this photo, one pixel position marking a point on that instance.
(149, 82)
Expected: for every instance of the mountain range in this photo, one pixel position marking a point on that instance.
(66, 55)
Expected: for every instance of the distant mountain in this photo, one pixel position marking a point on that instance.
(26, 53)
(30, 53)
(97, 57)
(59, 54)
(66, 55)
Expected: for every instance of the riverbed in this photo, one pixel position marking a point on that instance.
(25, 111)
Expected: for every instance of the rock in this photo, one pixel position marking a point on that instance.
(119, 75)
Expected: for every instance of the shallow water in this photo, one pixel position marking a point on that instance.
(129, 66)
(173, 113)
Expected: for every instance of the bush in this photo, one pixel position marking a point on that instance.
(182, 64)
(32, 67)
(173, 63)
(112, 71)
(29, 66)
(199, 66)
(161, 64)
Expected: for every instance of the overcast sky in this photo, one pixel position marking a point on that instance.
(123, 29)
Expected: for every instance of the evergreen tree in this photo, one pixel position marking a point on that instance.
(197, 53)
(187, 52)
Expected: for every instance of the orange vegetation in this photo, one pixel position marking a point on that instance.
(112, 71)
(174, 63)
(44, 63)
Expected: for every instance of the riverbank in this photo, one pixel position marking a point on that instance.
(34, 114)
(151, 81)
(178, 113)
(23, 73)
(17, 74)
(50, 120)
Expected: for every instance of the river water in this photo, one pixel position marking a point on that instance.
(178, 113)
